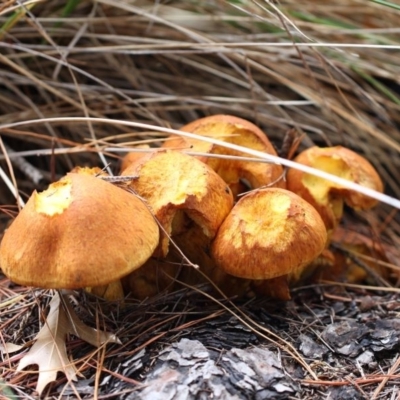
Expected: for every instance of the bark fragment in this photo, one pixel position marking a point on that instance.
(188, 370)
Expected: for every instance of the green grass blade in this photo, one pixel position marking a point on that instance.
(386, 4)
(14, 18)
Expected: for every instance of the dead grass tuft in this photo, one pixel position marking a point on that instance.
(330, 71)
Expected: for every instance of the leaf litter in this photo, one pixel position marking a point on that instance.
(171, 348)
(49, 351)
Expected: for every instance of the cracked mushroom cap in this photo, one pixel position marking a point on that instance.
(180, 190)
(79, 232)
(269, 233)
(237, 131)
(328, 197)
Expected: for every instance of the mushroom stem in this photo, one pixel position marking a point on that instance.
(113, 291)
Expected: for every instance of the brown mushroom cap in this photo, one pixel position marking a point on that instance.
(326, 196)
(237, 131)
(269, 233)
(79, 232)
(177, 186)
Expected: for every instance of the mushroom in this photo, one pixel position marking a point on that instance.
(356, 258)
(269, 234)
(80, 232)
(181, 191)
(156, 275)
(185, 195)
(327, 197)
(236, 173)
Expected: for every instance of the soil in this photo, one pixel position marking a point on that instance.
(185, 346)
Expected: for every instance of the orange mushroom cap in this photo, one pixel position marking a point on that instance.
(269, 233)
(237, 131)
(178, 187)
(79, 232)
(328, 197)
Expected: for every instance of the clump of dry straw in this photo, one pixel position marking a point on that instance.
(73, 73)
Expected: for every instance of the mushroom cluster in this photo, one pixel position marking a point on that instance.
(251, 228)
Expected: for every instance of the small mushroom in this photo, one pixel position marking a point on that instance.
(270, 233)
(327, 197)
(157, 275)
(181, 191)
(236, 173)
(356, 258)
(80, 232)
(185, 195)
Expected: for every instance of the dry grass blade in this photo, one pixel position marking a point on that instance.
(254, 326)
(263, 156)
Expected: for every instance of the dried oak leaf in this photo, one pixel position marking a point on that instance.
(49, 351)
